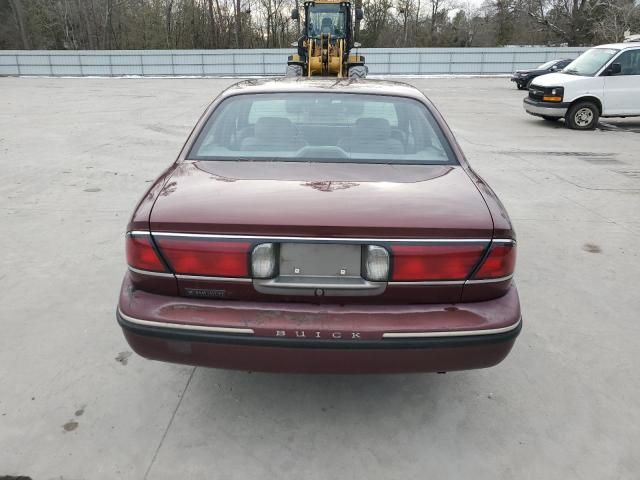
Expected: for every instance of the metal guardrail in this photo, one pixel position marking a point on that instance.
(381, 61)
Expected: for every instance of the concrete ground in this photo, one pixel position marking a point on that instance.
(76, 154)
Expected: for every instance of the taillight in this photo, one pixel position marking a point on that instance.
(500, 262)
(195, 256)
(142, 255)
(412, 263)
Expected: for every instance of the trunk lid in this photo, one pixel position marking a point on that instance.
(322, 199)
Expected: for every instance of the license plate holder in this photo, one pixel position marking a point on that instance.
(320, 260)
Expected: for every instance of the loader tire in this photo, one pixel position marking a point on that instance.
(358, 71)
(293, 71)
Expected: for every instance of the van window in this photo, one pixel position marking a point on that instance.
(590, 62)
(630, 62)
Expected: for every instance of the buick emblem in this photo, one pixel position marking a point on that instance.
(337, 335)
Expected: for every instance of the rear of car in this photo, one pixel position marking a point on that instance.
(321, 227)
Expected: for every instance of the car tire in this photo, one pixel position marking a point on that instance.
(582, 116)
(358, 71)
(550, 119)
(529, 84)
(520, 86)
(293, 71)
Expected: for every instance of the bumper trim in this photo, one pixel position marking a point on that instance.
(241, 336)
(547, 109)
(122, 318)
(452, 333)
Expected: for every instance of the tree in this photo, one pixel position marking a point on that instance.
(18, 13)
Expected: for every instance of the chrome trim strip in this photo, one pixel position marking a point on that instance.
(430, 282)
(318, 239)
(490, 280)
(249, 280)
(149, 272)
(459, 333)
(454, 282)
(213, 279)
(504, 240)
(189, 277)
(179, 326)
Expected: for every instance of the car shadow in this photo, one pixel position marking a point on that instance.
(541, 123)
(606, 124)
(343, 396)
(620, 124)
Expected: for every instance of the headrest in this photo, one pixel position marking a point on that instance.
(373, 128)
(269, 127)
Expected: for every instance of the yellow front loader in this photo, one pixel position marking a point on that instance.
(324, 49)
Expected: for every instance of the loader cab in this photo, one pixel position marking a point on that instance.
(327, 18)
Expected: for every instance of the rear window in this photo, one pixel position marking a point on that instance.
(328, 127)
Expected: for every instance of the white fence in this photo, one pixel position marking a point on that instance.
(381, 61)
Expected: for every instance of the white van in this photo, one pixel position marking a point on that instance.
(602, 82)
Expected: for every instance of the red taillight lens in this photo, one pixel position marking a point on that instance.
(413, 263)
(142, 255)
(206, 257)
(500, 262)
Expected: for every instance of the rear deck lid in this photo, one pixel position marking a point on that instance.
(321, 199)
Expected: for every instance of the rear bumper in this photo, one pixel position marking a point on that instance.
(546, 109)
(319, 339)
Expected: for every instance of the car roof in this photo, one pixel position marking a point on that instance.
(620, 46)
(318, 85)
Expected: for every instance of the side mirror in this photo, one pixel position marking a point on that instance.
(357, 44)
(614, 69)
(554, 68)
(359, 14)
(294, 14)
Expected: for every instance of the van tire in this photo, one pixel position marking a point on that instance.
(582, 116)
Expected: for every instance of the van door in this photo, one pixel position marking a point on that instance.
(622, 90)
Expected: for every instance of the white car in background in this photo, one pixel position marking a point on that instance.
(602, 82)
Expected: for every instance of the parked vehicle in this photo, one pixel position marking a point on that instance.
(523, 78)
(321, 226)
(602, 82)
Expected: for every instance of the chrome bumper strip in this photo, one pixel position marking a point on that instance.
(456, 333)
(179, 326)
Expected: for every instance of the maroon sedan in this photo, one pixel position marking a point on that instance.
(321, 226)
